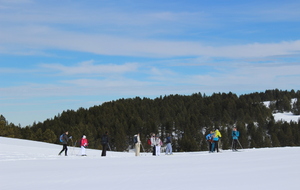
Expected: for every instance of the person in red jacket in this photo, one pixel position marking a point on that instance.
(83, 144)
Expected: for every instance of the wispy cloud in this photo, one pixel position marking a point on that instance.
(117, 31)
(239, 76)
(113, 45)
(88, 67)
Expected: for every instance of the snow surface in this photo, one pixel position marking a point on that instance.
(36, 166)
(286, 116)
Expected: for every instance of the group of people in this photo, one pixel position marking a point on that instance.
(213, 139)
(83, 144)
(155, 142)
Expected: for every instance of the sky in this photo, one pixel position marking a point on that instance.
(36, 165)
(63, 55)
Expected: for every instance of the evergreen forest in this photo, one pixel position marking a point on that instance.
(189, 118)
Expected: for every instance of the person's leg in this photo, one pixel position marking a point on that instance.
(169, 149)
(154, 151)
(82, 150)
(66, 149)
(212, 146)
(217, 145)
(209, 144)
(104, 150)
(137, 149)
(157, 150)
(234, 144)
(63, 149)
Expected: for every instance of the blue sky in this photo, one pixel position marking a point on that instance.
(63, 55)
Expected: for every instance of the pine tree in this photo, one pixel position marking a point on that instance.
(49, 136)
(296, 107)
(275, 141)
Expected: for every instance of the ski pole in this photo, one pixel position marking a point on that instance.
(108, 146)
(240, 143)
(72, 152)
(143, 149)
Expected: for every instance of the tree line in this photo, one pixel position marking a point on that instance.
(187, 118)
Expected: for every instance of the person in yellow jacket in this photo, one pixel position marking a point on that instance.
(217, 135)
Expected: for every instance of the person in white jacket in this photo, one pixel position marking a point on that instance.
(158, 144)
(137, 144)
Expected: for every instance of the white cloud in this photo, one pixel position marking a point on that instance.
(15, 1)
(88, 67)
(113, 79)
(109, 30)
(112, 45)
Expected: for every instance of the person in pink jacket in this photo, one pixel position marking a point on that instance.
(83, 144)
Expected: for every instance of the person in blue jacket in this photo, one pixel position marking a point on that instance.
(209, 139)
(169, 144)
(235, 137)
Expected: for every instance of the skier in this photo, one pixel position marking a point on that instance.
(216, 137)
(153, 143)
(83, 144)
(64, 139)
(104, 142)
(158, 144)
(235, 137)
(169, 144)
(209, 139)
(137, 144)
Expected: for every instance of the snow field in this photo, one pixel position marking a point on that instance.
(36, 166)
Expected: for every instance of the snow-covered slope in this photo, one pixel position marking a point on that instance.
(36, 166)
(286, 116)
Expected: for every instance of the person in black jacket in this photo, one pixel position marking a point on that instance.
(64, 140)
(104, 142)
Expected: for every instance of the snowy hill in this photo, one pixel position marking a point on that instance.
(36, 166)
(285, 116)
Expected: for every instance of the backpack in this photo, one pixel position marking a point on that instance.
(168, 140)
(149, 141)
(61, 138)
(135, 139)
